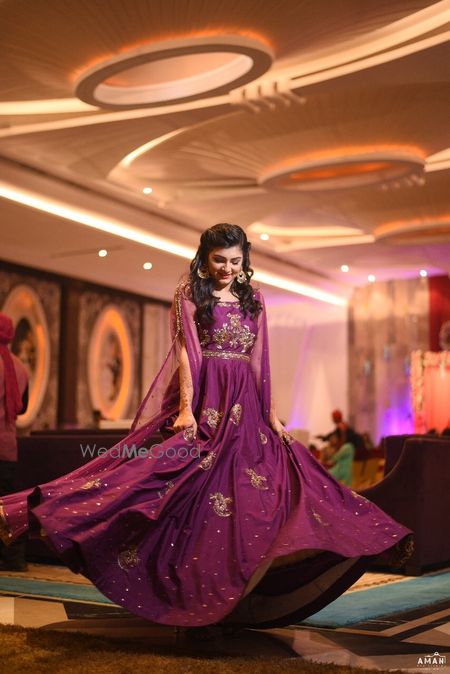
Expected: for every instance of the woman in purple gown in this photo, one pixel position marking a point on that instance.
(228, 520)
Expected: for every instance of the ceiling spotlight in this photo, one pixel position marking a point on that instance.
(102, 253)
(371, 278)
(345, 268)
(147, 190)
(264, 237)
(147, 265)
(423, 273)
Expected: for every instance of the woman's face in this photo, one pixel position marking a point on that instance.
(224, 264)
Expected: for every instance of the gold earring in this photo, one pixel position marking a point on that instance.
(241, 277)
(203, 272)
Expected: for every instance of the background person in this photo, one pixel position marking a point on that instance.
(13, 401)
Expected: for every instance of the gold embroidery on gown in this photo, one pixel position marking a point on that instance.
(319, 518)
(234, 334)
(92, 483)
(213, 416)
(263, 438)
(128, 558)
(236, 413)
(169, 485)
(227, 355)
(188, 434)
(403, 550)
(5, 534)
(207, 461)
(221, 504)
(257, 481)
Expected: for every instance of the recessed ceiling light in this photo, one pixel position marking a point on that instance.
(423, 273)
(371, 278)
(264, 237)
(345, 268)
(147, 265)
(147, 190)
(102, 253)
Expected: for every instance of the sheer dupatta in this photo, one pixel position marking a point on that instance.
(260, 362)
(163, 398)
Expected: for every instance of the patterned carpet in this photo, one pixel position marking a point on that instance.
(384, 621)
(374, 601)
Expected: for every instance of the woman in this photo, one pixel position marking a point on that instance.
(231, 520)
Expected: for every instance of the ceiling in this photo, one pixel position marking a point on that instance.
(321, 126)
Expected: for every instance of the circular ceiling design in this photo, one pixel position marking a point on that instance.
(174, 71)
(415, 232)
(47, 44)
(343, 171)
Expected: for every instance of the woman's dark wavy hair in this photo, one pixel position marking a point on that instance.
(222, 235)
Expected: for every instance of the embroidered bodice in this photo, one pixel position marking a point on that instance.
(231, 332)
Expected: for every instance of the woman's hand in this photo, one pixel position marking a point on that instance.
(278, 427)
(280, 430)
(184, 421)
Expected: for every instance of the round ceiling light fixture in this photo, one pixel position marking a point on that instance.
(174, 71)
(344, 170)
(415, 232)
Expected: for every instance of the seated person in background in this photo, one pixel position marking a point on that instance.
(368, 442)
(340, 464)
(341, 427)
(314, 450)
(362, 452)
(346, 434)
(446, 432)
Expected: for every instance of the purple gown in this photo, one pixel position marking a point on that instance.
(233, 525)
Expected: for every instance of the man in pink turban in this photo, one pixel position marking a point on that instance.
(13, 401)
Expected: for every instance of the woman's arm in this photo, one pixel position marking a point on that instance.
(185, 417)
(186, 388)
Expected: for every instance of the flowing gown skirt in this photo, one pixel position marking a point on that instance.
(233, 525)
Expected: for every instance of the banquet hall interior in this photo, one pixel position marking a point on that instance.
(321, 128)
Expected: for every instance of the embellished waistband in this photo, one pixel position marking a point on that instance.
(228, 355)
